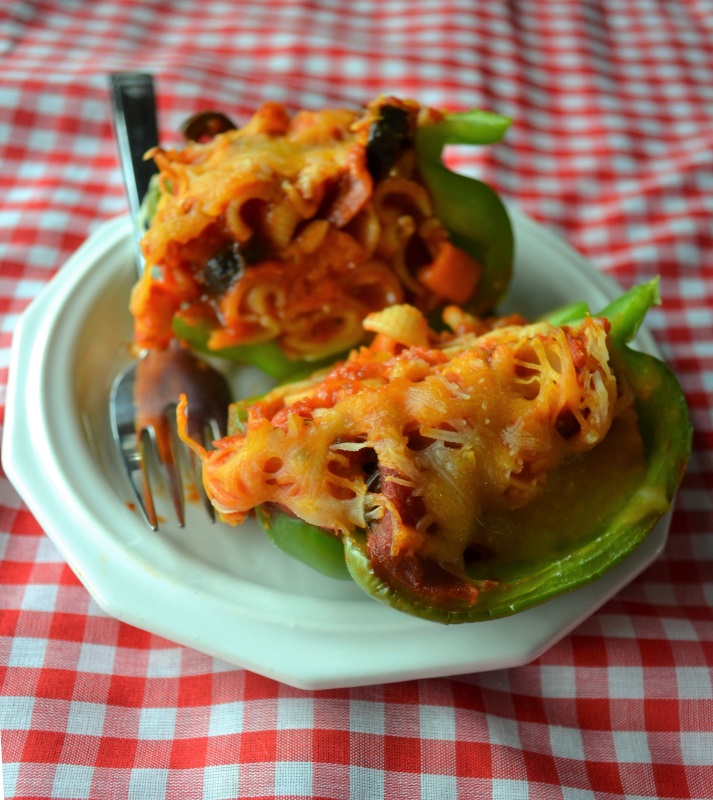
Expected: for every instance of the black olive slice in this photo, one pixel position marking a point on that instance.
(223, 269)
(205, 125)
(387, 135)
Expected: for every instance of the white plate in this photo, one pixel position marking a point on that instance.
(227, 591)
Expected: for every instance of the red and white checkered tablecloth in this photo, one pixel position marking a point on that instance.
(611, 148)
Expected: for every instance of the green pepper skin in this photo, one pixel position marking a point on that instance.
(319, 549)
(566, 314)
(267, 356)
(471, 211)
(664, 419)
(666, 431)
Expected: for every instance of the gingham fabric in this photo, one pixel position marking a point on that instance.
(611, 148)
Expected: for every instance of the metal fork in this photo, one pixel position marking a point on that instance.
(143, 399)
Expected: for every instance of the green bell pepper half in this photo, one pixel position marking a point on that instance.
(614, 510)
(607, 526)
(313, 546)
(472, 212)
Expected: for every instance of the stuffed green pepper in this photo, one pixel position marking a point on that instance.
(467, 474)
(270, 243)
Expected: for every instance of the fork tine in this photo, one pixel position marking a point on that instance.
(171, 466)
(144, 496)
(157, 451)
(164, 449)
(130, 446)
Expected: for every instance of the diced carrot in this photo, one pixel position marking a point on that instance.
(453, 274)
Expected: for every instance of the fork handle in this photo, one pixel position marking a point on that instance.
(133, 103)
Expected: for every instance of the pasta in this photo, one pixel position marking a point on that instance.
(293, 229)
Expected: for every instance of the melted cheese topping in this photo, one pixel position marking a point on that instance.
(272, 159)
(467, 423)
